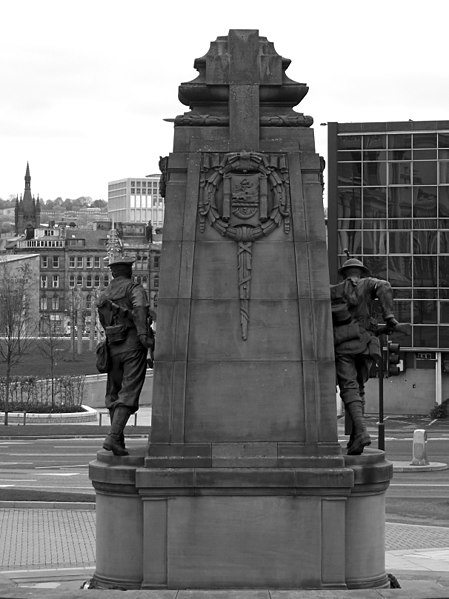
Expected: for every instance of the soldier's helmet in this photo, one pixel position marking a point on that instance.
(353, 263)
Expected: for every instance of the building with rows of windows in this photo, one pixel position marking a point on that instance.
(73, 268)
(136, 200)
(388, 204)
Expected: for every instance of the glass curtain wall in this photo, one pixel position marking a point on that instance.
(393, 213)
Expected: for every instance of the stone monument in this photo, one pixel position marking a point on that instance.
(243, 483)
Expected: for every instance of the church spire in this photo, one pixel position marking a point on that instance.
(28, 178)
(25, 211)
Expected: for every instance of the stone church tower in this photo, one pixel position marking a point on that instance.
(27, 211)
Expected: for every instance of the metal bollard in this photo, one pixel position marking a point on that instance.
(419, 457)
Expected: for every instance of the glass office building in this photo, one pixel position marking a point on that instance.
(388, 189)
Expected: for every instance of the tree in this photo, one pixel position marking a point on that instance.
(16, 323)
(50, 344)
(99, 204)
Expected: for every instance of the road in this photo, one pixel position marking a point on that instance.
(57, 465)
(61, 465)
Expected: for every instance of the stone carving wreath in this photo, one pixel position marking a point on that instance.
(244, 196)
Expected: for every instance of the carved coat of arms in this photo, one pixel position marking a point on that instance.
(244, 197)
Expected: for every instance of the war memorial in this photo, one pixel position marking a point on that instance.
(243, 483)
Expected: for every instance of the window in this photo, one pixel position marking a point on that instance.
(399, 173)
(399, 271)
(44, 261)
(403, 310)
(55, 281)
(44, 281)
(88, 301)
(375, 173)
(71, 261)
(349, 173)
(425, 336)
(352, 240)
(55, 303)
(96, 261)
(399, 242)
(79, 280)
(425, 242)
(88, 261)
(444, 270)
(374, 142)
(399, 202)
(349, 204)
(72, 281)
(79, 262)
(374, 242)
(425, 202)
(89, 281)
(425, 140)
(349, 142)
(156, 261)
(401, 140)
(43, 303)
(424, 173)
(106, 280)
(425, 271)
(55, 261)
(444, 242)
(424, 312)
(97, 281)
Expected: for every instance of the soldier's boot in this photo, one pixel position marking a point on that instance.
(349, 427)
(361, 437)
(122, 436)
(112, 441)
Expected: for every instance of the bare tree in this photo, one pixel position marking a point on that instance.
(16, 324)
(50, 344)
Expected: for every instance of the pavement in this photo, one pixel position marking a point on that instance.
(48, 549)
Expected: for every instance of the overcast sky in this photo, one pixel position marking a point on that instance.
(85, 84)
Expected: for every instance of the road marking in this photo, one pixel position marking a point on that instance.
(49, 486)
(74, 447)
(47, 455)
(63, 569)
(57, 473)
(419, 484)
(15, 442)
(19, 480)
(399, 439)
(66, 466)
(6, 486)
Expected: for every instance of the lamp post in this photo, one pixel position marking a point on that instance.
(380, 374)
(72, 323)
(79, 320)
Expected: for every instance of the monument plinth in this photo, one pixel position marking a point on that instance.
(243, 483)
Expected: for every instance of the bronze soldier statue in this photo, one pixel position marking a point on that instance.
(124, 314)
(356, 345)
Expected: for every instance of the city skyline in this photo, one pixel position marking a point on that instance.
(89, 84)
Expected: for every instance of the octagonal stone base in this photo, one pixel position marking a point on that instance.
(256, 528)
